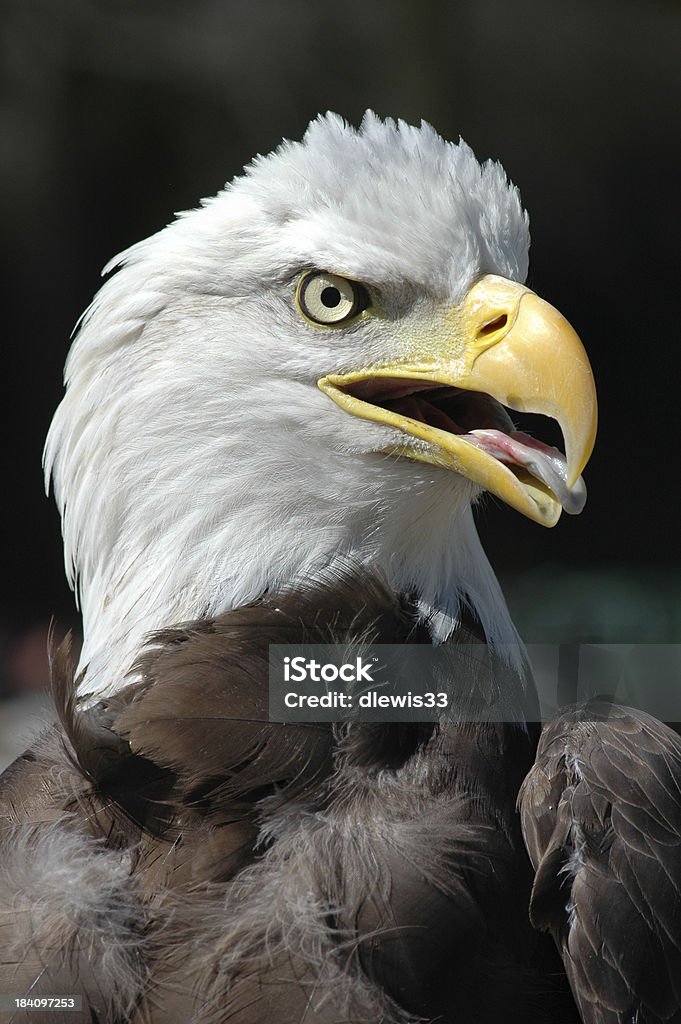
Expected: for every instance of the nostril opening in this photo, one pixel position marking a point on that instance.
(493, 326)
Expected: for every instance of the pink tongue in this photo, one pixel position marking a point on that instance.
(541, 460)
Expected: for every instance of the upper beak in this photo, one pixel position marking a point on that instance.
(533, 362)
(506, 342)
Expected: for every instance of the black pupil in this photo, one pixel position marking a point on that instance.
(331, 297)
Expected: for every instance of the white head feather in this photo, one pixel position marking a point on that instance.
(195, 461)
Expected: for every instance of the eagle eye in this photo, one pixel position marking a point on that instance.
(330, 299)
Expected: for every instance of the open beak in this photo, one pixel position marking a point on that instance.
(502, 346)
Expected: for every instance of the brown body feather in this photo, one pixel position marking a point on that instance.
(172, 855)
(601, 814)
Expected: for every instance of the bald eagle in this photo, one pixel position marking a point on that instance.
(279, 414)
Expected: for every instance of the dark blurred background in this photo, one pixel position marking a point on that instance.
(116, 113)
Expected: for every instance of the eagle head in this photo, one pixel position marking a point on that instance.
(318, 364)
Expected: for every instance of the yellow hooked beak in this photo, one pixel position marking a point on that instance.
(502, 346)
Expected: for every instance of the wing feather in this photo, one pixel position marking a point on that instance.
(601, 817)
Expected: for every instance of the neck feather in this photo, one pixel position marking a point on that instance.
(185, 573)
